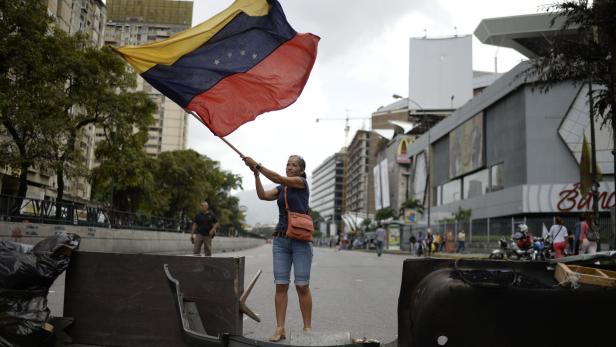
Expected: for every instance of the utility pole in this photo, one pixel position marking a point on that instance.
(593, 164)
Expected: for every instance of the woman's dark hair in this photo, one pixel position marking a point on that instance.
(559, 221)
(302, 164)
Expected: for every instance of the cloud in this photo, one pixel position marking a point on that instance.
(362, 61)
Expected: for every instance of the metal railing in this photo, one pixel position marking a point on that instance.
(16, 209)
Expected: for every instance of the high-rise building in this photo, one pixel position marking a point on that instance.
(361, 157)
(134, 22)
(326, 192)
(86, 16)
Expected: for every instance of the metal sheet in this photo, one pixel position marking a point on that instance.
(124, 299)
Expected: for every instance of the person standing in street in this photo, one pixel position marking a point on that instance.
(577, 242)
(203, 230)
(461, 241)
(558, 237)
(429, 240)
(380, 239)
(287, 252)
(588, 237)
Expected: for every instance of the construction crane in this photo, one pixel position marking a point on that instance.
(347, 127)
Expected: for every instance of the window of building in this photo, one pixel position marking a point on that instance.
(438, 195)
(496, 177)
(476, 184)
(452, 191)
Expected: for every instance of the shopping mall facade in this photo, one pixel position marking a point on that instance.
(511, 154)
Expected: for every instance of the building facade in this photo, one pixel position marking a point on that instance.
(511, 155)
(85, 16)
(360, 158)
(135, 22)
(327, 191)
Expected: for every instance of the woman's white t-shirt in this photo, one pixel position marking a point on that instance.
(557, 234)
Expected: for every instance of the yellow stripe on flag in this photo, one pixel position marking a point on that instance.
(168, 51)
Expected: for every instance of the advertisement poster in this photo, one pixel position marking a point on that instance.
(466, 147)
(384, 183)
(393, 232)
(376, 172)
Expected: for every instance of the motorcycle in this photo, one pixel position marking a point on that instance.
(510, 250)
(541, 249)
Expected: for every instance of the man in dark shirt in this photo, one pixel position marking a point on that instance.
(203, 230)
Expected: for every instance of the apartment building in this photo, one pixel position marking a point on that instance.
(135, 22)
(327, 191)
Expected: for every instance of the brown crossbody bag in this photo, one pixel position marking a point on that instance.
(299, 225)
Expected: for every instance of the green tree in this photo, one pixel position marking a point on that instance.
(95, 79)
(185, 178)
(463, 214)
(413, 204)
(316, 221)
(126, 173)
(29, 84)
(366, 223)
(385, 213)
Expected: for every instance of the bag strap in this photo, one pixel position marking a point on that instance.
(558, 233)
(286, 203)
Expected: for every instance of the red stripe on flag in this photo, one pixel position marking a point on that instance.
(273, 84)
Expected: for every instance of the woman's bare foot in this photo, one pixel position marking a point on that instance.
(307, 329)
(278, 335)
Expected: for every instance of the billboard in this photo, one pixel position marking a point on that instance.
(384, 183)
(466, 147)
(420, 177)
(376, 172)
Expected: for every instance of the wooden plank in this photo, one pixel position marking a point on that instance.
(585, 275)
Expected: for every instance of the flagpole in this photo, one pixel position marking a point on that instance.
(220, 137)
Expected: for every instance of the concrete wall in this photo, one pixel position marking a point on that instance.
(549, 158)
(121, 240)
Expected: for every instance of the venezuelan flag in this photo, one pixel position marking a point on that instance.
(244, 61)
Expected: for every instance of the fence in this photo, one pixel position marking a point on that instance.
(16, 209)
(483, 234)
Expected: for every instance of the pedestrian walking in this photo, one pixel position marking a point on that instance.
(461, 241)
(558, 237)
(412, 244)
(449, 242)
(380, 239)
(429, 240)
(287, 252)
(438, 242)
(577, 243)
(588, 236)
(204, 229)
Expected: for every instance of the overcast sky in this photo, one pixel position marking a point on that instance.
(362, 60)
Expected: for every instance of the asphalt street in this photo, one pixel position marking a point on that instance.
(353, 291)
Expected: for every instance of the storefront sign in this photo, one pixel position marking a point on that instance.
(572, 199)
(565, 198)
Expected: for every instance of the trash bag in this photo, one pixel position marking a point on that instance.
(26, 274)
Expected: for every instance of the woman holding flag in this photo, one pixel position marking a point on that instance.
(288, 252)
(226, 71)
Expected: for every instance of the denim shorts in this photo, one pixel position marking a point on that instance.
(287, 252)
